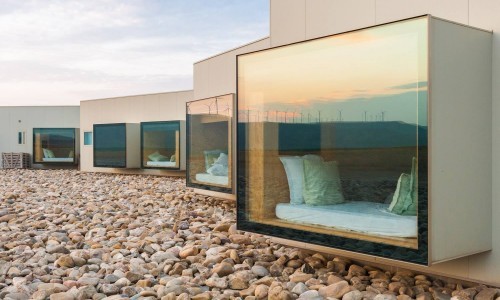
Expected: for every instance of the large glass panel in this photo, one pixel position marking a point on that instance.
(209, 143)
(160, 144)
(54, 145)
(110, 142)
(333, 139)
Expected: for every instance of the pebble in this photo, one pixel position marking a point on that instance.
(72, 235)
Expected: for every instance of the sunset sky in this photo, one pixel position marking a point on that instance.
(381, 70)
(58, 52)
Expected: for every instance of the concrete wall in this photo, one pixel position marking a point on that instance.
(14, 119)
(216, 76)
(132, 109)
(297, 20)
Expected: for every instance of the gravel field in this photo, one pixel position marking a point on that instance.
(65, 234)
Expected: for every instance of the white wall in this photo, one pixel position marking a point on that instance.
(132, 109)
(14, 119)
(297, 20)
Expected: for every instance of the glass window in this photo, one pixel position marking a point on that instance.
(209, 126)
(160, 142)
(333, 138)
(110, 145)
(87, 138)
(21, 138)
(54, 145)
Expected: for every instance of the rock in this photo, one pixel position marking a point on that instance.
(336, 290)
(385, 297)
(487, 294)
(261, 291)
(7, 218)
(300, 277)
(188, 251)
(311, 295)
(109, 289)
(64, 261)
(86, 292)
(238, 284)
(51, 288)
(299, 288)
(217, 282)
(279, 293)
(353, 295)
(51, 249)
(223, 269)
(133, 277)
(260, 271)
(240, 239)
(83, 281)
(62, 296)
(202, 296)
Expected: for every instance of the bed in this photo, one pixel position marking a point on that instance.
(58, 159)
(209, 178)
(161, 164)
(358, 216)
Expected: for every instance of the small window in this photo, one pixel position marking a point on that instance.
(87, 138)
(21, 137)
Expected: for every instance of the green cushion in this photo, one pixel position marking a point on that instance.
(321, 183)
(404, 201)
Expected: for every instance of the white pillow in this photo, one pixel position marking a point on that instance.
(294, 168)
(222, 160)
(218, 170)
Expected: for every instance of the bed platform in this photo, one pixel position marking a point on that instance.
(370, 218)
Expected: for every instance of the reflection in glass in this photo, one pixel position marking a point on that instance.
(209, 138)
(160, 144)
(333, 135)
(54, 145)
(110, 145)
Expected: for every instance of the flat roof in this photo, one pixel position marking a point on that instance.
(127, 96)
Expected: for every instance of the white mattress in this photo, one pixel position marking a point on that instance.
(161, 164)
(58, 159)
(359, 216)
(209, 178)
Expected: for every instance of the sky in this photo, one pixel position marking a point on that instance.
(58, 52)
(377, 74)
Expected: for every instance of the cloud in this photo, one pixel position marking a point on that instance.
(75, 50)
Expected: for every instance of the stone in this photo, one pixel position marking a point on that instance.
(86, 292)
(353, 295)
(261, 291)
(299, 288)
(64, 261)
(300, 277)
(188, 251)
(223, 269)
(217, 282)
(260, 271)
(311, 295)
(109, 289)
(336, 290)
(62, 296)
(385, 297)
(279, 293)
(487, 294)
(52, 249)
(240, 239)
(133, 277)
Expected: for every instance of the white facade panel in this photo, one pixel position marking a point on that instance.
(325, 17)
(133, 109)
(14, 119)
